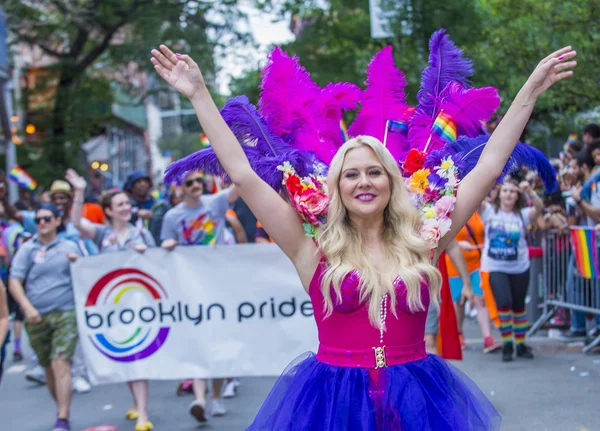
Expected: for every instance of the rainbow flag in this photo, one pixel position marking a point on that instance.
(344, 130)
(22, 178)
(445, 127)
(584, 245)
(204, 141)
(572, 138)
(397, 126)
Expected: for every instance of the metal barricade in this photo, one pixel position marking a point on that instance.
(563, 286)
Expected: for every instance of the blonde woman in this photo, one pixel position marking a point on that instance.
(368, 275)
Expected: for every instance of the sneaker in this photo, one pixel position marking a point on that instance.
(80, 385)
(507, 352)
(524, 351)
(17, 356)
(132, 415)
(36, 374)
(230, 389)
(491, 345)
(197, 410)
(144, 426)
(62, 425)
(217, 408)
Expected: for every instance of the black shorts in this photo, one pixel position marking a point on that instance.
(13, 307)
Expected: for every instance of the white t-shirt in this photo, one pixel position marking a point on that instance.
(505, 249)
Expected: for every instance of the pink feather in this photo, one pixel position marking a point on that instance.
(286, 93)
(469, 107)
(334, 99)
(384, 100)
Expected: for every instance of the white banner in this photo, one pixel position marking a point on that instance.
(225, 311)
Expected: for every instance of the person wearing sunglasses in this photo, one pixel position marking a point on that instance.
(118, 235)
(41, 265)
(200, 219)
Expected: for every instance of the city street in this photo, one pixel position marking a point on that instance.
(558, 391)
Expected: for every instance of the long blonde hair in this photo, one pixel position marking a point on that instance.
(406, 254)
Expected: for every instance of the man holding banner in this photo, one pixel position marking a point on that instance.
(199, 220)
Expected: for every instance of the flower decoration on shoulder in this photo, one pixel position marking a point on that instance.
(433, 191)
(309, 197)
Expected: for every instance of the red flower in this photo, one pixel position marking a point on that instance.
(414, 161)
(293, 184)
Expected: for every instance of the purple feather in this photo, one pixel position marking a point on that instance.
(446, 64)
(469, 107)
(466, 153)
(384, 100)
(264, 150)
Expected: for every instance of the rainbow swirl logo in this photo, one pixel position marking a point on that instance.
(135, 287)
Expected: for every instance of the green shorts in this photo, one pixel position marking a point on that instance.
(55, 337)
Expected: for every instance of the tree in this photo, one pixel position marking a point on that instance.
(95, 43)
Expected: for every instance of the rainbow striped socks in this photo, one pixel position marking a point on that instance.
(506, 325)
(520, 323)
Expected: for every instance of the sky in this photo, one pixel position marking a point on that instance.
(266, 33)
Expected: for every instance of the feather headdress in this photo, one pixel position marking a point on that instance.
(297, 130)
(384, 100)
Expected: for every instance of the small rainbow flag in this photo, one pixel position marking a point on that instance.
(572, 138)
(397, 126)
(445, 127)
(204, 141)
(344, 130)
(584, 245)
(22, 178)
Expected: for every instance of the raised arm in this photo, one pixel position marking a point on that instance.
(476, 185)
(278, 217)
(87, 229)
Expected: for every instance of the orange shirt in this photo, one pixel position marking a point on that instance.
(472, 257)
(93, 212)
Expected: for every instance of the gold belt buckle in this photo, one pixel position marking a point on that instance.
(380, 361)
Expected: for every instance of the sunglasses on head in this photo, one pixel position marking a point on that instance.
(45, 219)
(189, 183)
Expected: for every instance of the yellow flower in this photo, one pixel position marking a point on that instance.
(429, 212)
(418, 182)
(447, 164)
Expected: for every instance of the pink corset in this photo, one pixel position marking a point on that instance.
(347, 337)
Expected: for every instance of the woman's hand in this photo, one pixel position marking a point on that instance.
(169, 244)
(466, 245)
(141, 248)
(77, 181)
(180, 71)
(551, 70)
(466, 294)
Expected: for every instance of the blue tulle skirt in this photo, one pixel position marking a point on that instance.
(425, 395)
